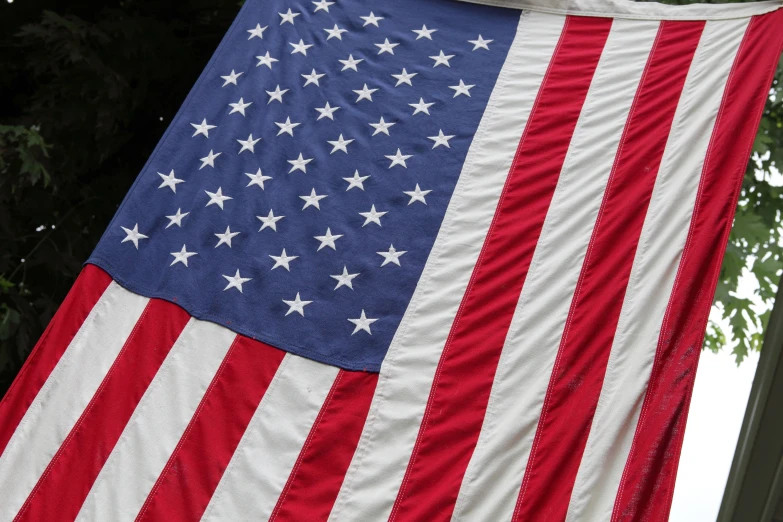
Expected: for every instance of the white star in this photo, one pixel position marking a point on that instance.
(386, 47)
(236, 281)
(480, 43)
(335, 33)
(287, 127)
(344, 279)
(313, 77)
(270, 221)
(424, 32)
(240, 106)
(277, 94)
(381, 126)
(202, 128)
(225, 237)
(209, 159)
(322, 5)
(176, 219)
(391, 256)
(339, 144)
(217, 198)
(283, 260)
(372, 19)
(300, 47)
(364, 93)
(170, 181)
(461, 89)
(417, 194)
(362, 323)
(248, 144)
(257, 32)
(266, 60)
(356, 181)
(328, 239)
(257, 179)
(351, 63)
(404, 77)
(297, 305)
(231, 78)
(442, 59)
(326, 111)
(312, 200)
(288, 17)
(440, 139)
(133, 235)
(421, 107)
(398, 159)
(373, 216)
(182, 256)
(299, 164)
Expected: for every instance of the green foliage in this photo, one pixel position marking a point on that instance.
(88, 91)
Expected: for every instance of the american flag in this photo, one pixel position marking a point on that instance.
(405, 261)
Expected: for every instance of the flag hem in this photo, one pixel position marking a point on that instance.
(639, 10)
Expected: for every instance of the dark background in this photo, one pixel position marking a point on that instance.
(87, 89)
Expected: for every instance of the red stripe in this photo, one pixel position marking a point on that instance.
(62, 488)
(316, 478)
(86, 291)
(460, 390)
(648, 479)
(194, 469)
(579, 369)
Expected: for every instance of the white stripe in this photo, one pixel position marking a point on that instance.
(157, 423)
(65, 394)
(270, 446)
(491, 484)
(652, 276)
(376, 471)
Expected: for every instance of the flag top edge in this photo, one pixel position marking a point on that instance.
(639, 10)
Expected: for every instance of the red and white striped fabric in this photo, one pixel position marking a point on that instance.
(542, 370)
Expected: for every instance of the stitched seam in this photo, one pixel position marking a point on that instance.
(686, 250)
(716, 270)
(458, 200)
(302, 452)
(479, 266)
(86, 412)
(193, 419)
(231, 325)
(218, 493)
(575, 300)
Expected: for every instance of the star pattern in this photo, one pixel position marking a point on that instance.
(133, 235)
(182, 256)
(297, 305)
(236, 281)
(270, 221)
(392, 255)
(362, 323)
(392, 88)
(266, 60)
(344, 279)
(328, 239)
(231, 78)
(257, 179)
(276, 95)
(170, 181)
(202, 128)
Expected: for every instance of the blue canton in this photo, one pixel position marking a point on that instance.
(297, 194)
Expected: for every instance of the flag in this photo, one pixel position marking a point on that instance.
(406, 261)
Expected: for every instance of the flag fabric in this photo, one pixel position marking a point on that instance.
(405, 261)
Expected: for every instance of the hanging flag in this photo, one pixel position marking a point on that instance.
(406, 261)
